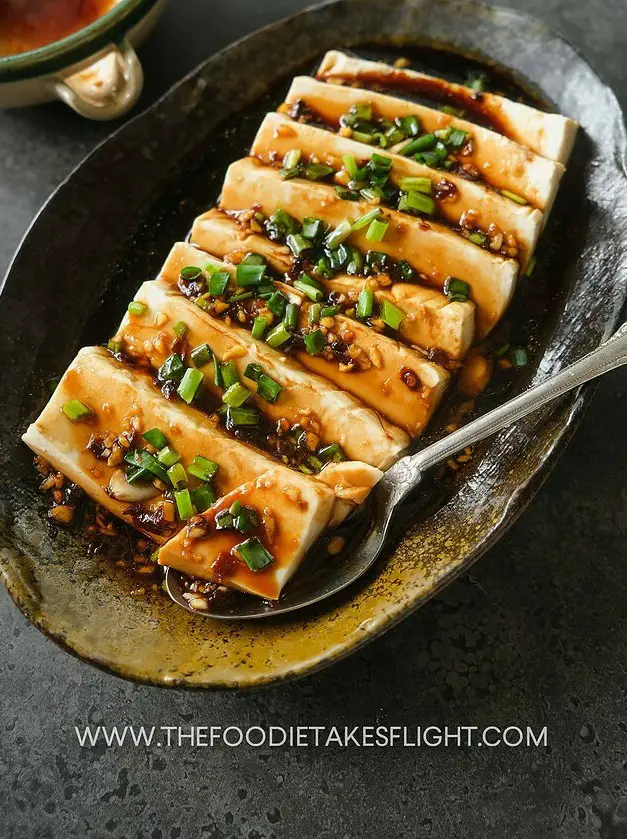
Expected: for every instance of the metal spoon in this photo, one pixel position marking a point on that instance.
(398, 482)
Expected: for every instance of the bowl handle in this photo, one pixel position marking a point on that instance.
(105, 89)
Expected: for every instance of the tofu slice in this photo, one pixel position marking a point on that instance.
(123, 399)
(550, 135)
(392, 379)
(432, 321)
(291, 519)
(503, 163)
(278, 134)
(306, 398)
(429, 247)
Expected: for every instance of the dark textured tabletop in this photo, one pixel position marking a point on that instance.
(534, 636)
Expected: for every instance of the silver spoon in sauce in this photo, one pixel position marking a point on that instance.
(369, 532)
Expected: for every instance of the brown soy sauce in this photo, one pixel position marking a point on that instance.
(30, 24)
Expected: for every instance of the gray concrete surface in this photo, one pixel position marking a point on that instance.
(534, 636)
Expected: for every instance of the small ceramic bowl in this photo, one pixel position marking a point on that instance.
(95, 71)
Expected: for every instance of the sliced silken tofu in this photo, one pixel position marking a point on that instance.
(550, 135)
(396, 381)
(503, 163)
(124, 400)
(431, 248)
(431, 321)
(305, 397)
(290, 520)
(278, 134)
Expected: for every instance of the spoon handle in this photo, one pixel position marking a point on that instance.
(611, 354)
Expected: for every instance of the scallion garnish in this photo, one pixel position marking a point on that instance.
(239, 296)
(156, 438)
(229, 374)
(390, 314)
(148, 463)
(180, 329)
(292, 315)
(201, 355)
(189, 385)
(297, 243)
(423, 185)
(310, 287)
(277, 303)
(416, 202)
(420, 144)
(313, 315)
(337, 236)
(350, 164)
(268, 389)
(323, 268)
(137, 308)
(315, 342)
(355, 263)
(478, 238)
(332, 452)
(203, 468)
(365, 303)
(364, 221)
(377, 230)
(253, 372)
(457, 138)
(313, 228)
(172, 369)
(329, 311)
(277, 336)
(405, 271)
(409, 125)
(530, 267)
(245, 519)
(168, 456)
(513, 197)
(456, 290)
(191, 272)
(249, 275)
(224, 520)
(184, 504)
(253, 553)
(260, 324)
(236, 395)
(177, 476)
(519, 356)
(242, 417)
(218, 283)
(203, 497)
(346, 194)
(76, 411)
(316, 171)
(291, 159)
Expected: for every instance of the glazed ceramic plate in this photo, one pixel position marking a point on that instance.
(108, 228)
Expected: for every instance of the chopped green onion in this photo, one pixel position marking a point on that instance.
(277, 336)
(427, 141)
(253, 372)
(390, 314)
(242, 417)
(365, 220)
(337, 236)
(156, 438)
(376, 259)
(113, 346)
(476, 81)
(478, 238)
(310, 287)
(356, 262)
(268, 389)
(245, 519)
(380, 161)
(350, 164)
(253, 553)
(362, 137)
(277, 303)
(444, 133)
(148, 463)
(76, 411)
(313, 315)
(513, 197)
(172, 369)
(519, 356)
(329, 311)
(316, 171)
(338, 257)
(377, 230)
(313, 228)
(458, 289)
(440, 151)
(229, 374)
(137, 308)
(254, 259)
(416, 202)
(236, 395)
(191, 272)
(423, 185)
(365, 303)
(218, 283)
(451, 111)
(260, 324)
(177, 476)
(202, 498)
(289, 174)
(530, 266)
(292, 315)
(323, 268)
(240, 295)
(168, 457)
(346, 194)
(291, 158)
(224, 520)
(184, 504)
(204, 301)
(180, 329)
(189, 384)
(250, 275)
(457, 138)
(203, 468)
(217, 373)
(201, 355)
(405, 271)
(297, 243)
(332, 452)
(315, 342)
(280, 224)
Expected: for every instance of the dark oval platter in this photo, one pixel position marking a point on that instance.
(110, 225)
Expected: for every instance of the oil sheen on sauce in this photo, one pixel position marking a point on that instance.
(29, 24)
